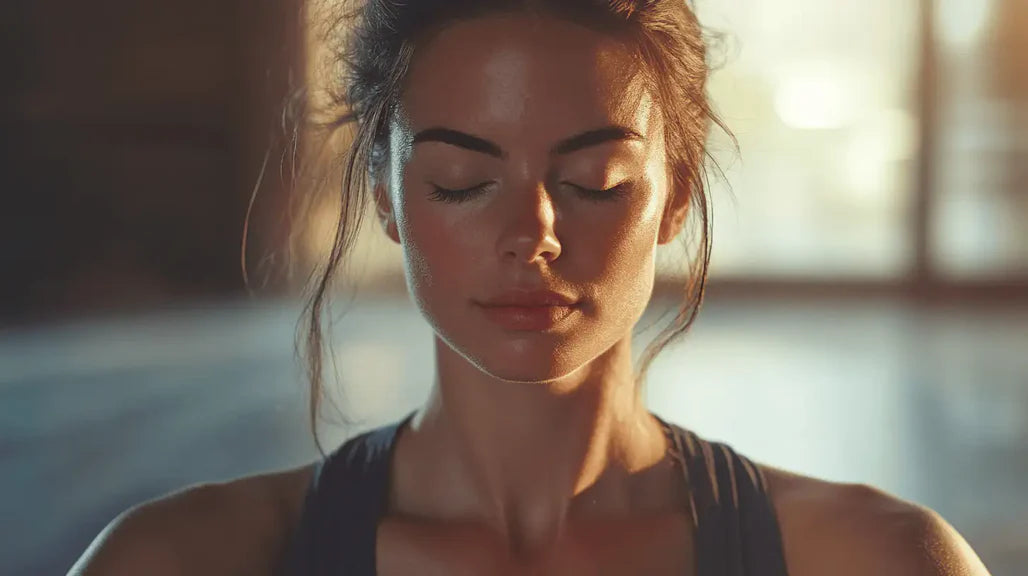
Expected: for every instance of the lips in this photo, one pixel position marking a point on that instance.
(529, 299)
(529, 309)
(528, 318)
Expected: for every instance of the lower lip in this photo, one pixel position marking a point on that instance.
(534, 318)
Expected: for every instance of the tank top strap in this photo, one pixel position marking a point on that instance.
(346, 497)
(736, 530)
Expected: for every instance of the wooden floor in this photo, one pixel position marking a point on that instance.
(930, 404)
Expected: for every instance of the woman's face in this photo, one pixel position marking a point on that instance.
(522, 88)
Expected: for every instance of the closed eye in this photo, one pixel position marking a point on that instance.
(459, 195)
(612, 193)
(455, 195)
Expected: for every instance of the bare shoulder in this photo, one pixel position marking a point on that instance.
(234, 527)
(832, 528)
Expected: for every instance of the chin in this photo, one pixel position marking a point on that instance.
(532, 358)
(516, 356)
(519, 370)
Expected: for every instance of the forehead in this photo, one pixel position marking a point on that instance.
(525, 76)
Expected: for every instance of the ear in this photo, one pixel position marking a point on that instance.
(675, 213)
(384, 210)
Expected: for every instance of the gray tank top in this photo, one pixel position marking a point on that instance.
(734, 525)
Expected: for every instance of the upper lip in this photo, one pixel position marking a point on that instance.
(529, 298)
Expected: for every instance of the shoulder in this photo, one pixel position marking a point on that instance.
(843, 529)
(238, 526)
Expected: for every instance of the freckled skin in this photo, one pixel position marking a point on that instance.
(525, 88)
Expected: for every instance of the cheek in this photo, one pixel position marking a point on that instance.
(625, 260)
(623, 240)
(435, 250)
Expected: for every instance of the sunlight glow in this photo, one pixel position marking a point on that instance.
(817, 96)
(874, 148)
(962, 22)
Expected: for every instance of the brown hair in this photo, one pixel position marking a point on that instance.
(370, 45)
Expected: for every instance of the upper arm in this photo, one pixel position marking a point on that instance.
(930, 546)
(857, 529)
(237, 527)
(136, 542)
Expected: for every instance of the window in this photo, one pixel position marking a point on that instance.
(980, 176)
(822, 98)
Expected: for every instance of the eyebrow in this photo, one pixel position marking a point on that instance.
(566, 146)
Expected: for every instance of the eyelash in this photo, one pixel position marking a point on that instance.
(457, 196)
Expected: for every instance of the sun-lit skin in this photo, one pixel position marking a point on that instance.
(522, 404)
(530, 227)
(534, 454)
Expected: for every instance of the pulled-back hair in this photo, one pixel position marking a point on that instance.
(370, 45)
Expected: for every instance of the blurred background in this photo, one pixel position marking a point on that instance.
(867, 316)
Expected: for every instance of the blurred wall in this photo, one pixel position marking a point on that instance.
(1009, 49)
(133, 132)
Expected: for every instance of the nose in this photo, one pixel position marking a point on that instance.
(528, 221)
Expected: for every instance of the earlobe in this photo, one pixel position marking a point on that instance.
(389, 226)
(384, 211)
(674, 217)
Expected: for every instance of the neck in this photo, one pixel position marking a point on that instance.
(521, 456)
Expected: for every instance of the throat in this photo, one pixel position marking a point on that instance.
(531, 498)
(655, 545)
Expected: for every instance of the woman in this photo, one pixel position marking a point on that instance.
(529, 157)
